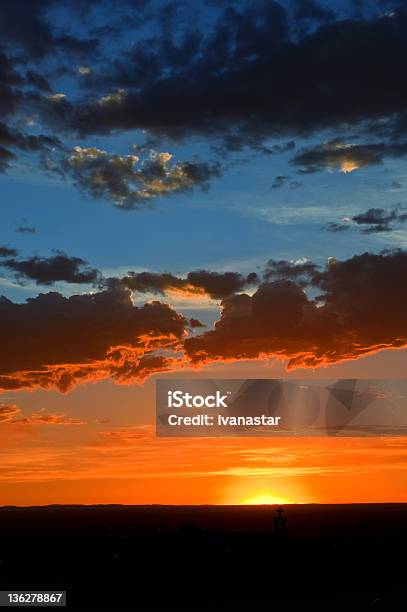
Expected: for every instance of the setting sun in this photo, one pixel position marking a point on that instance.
(265, 499)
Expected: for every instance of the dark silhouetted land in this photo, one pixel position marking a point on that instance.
(207, 557)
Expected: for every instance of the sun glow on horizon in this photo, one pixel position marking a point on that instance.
(263, 499)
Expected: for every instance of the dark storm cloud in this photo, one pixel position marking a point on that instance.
(5, 157)
(13, 139)
(25, 26)
(374, 220)
(58, 341)
(8, 252)
(49, 270)
(64, 268)
(28, 36)
(216, 285)
(249, 79)
(14, 96)
(361, 310)
(378, 219)
(10, 96)
(26, 142)
(250, 73)
(301, 272)
(338, 155)
(313, 11)
(9, 79)
(38, 81)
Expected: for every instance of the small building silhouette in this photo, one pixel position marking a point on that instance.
(280, 523)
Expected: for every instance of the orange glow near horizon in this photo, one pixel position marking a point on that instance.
(96, 444)
(265, 499)
(267, 490)
(46, 461)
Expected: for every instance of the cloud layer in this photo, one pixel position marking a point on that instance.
(244, 77)
(199, 283)
(373, 220)
(338, 155)
(298, 312)
(12, 415)
(259, 72)
(48, 270)
(130, 182)
(58, 341)
(360, 310)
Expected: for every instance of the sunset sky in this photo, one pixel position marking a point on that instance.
(200, 189)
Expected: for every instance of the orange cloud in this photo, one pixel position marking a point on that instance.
(199, 283)
(12, 414)
(346, 157)
(58, 341)
(8, 413)
(361, 310)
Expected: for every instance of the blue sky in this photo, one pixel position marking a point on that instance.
(134, 140)
(237, 224)
(271, 244)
